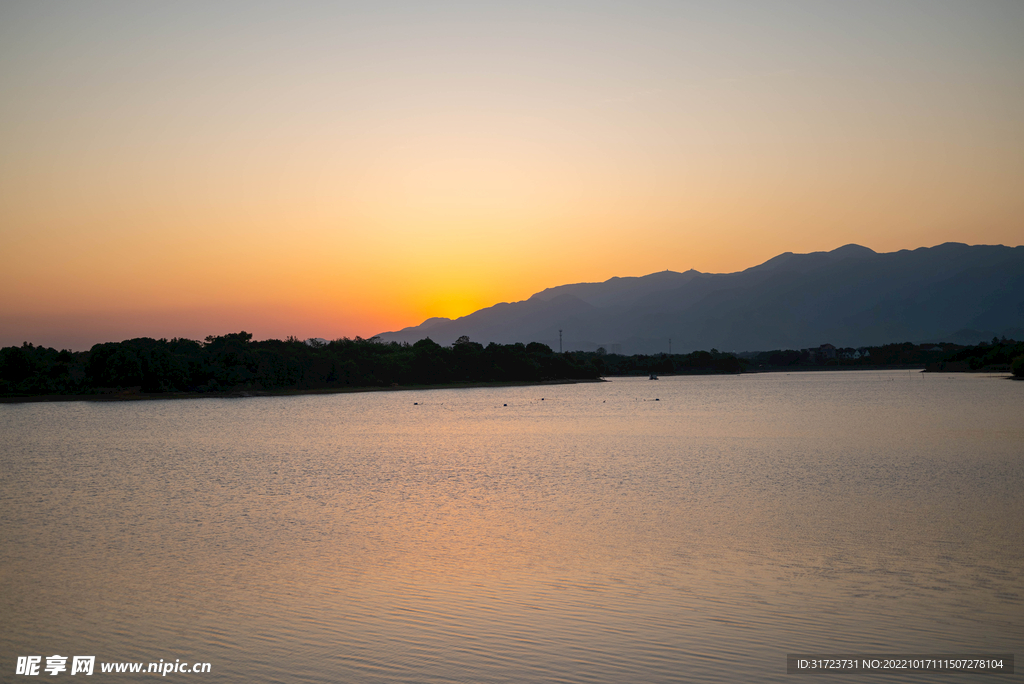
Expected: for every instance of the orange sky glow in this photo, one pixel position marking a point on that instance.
(330, 170)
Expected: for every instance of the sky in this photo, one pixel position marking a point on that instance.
(333, 169)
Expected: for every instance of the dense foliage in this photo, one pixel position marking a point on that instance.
(1000, 355)
(905, 354)
(235, 362)
(997, 355)
(713, 361)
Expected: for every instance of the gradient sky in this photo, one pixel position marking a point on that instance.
(339, 169)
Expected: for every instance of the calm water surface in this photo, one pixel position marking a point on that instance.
(689, 529)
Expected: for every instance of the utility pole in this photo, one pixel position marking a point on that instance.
(559, 340)
(670, 346)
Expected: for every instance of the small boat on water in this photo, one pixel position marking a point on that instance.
(654, 376)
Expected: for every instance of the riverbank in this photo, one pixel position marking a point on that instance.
(815, 369)
(135, 393)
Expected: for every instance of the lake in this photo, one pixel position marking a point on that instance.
(687, 529)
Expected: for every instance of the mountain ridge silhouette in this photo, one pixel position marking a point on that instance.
(851, 296)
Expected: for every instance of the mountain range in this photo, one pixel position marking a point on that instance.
(849, 297)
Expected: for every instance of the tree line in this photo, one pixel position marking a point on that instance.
(712, 361)
(236, 362)
(999, 355)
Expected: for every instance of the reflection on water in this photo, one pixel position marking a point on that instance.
(578, 533)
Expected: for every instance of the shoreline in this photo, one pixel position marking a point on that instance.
(135, 395)
(130, 395)
(816, 369)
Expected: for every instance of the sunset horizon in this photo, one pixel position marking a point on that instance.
(79, 332)
(339, 171)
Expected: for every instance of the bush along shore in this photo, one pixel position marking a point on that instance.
(235, 365)
(997, 356)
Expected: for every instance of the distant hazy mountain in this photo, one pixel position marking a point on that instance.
(848, 297)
